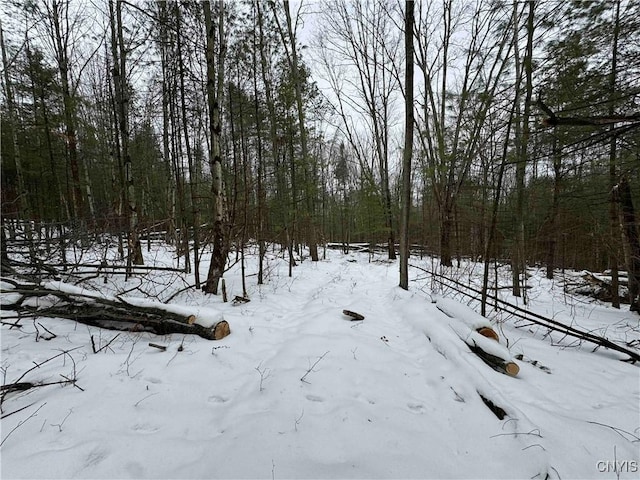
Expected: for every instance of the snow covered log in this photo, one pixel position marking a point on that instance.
(497, 363)
(476, 331)
(116, 312)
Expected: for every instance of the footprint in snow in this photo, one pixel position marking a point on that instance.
(95, 456)
(216, 399)
(314, 398)
(145, 428)
(416, 407)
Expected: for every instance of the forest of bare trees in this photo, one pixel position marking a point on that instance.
(501, 131)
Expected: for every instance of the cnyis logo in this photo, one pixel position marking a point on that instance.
(618, 466)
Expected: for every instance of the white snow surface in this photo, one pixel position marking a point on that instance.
(300, 391)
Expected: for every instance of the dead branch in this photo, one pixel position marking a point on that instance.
(553, 120)
(21, 422)
(312, 367)
(538, 319)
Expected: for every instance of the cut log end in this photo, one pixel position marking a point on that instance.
(191, 319)
(512, 369)
(221, 330)
(489, 333)
(354, 316)
(501, 365)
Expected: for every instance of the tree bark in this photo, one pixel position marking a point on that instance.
(630, 228)
(193, 180)
(613, 211)
(215, 86)
(261, 197)
(555, 204)
(59, 9)
(408, 146)
(134, 248)
(518, 260)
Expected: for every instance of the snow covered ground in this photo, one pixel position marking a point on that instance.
(300, 391)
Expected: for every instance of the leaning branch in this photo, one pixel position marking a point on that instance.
(634, 356)
(552, 120)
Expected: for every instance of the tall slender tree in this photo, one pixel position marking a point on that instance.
(408, 145)
(215, 92)
(119, 69)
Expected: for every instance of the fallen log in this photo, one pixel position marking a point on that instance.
(120, 313)
(549, 323)
(497, 363)
(476, 332)
(134, 319)
(497, 410)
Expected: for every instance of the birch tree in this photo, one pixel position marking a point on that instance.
(215, 91)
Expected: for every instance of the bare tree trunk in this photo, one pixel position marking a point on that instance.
(446, 228)
(5, 262)
(613, 177)
(490, 250)
(260, 233)
(134, 248)
(195, 210)
(166, 152)
(518, 258)
(58, 10)
(408, 145)
(553, 214)
(630, 229)
(215, 85)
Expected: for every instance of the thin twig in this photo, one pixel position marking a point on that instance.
(142, 399)
(16, 411)
(22, 422)
(617, 430)
(302, 379)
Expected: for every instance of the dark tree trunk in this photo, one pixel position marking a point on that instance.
(408, 146)
(446, 227)
(553, 214)
(630, 229)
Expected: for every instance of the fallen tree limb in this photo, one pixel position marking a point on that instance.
(135, 319)
(118, 313)
(485, 345)
(538, 319)
(497, 363)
